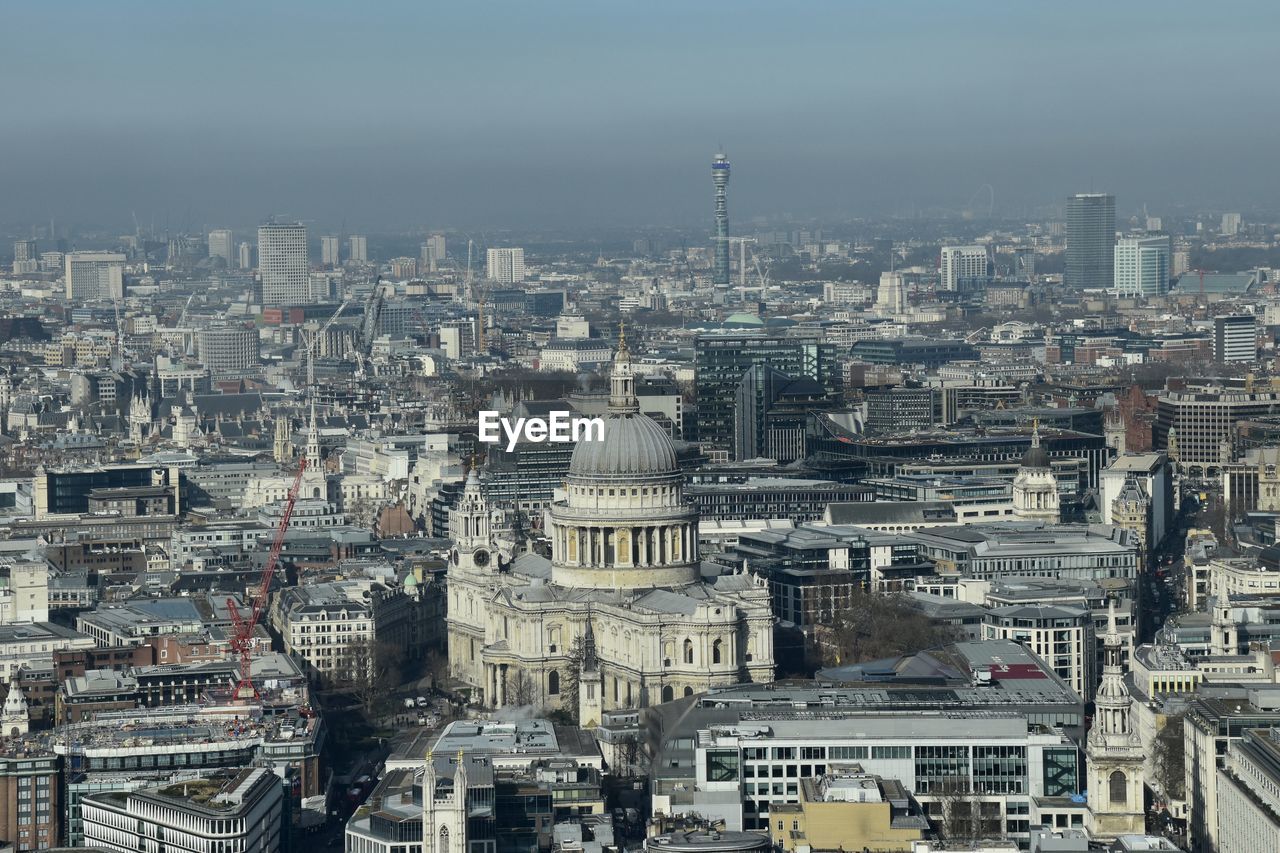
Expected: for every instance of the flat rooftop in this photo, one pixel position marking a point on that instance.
(492, 736)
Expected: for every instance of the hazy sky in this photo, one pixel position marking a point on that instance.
(490, 114)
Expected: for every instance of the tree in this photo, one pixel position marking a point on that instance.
(960, 809)
(569, 681)
(631, 753)
(1168, 758)
(370, 669)
(874, 626)
(437, 667)
(520, 689)
(964, 814)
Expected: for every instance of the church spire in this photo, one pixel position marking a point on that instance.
(1114, 751)
(313, 441)
(1112, 701)
(590, 684)
(590, 661)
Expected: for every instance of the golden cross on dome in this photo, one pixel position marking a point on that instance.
(622, 336)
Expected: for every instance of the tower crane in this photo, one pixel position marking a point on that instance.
(764, 279)
(185, 308)
(242, 636)
(369, 326)
(314, 338)
(115, 304)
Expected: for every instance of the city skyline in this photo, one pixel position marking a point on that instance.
(521, 138)
(409, 447)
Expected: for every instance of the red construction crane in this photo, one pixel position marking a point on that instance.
(242, 639)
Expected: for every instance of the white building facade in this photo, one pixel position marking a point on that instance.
(960, 266)
(94, 275)
(505, 266)
(1143, 266)
(244, 817)
(282, 264)
(1249, 793)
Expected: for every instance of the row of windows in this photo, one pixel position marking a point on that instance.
(809, 753)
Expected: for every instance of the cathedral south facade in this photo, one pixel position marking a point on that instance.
(624, 581)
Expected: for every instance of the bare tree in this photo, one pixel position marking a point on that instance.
(370, 669)
(964, 815)
(875, 626)
(631, 754)
(520, 689)
(437, 667)
(1168, 759)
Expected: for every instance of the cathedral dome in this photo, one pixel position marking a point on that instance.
(634, 446)
(1036, 456)
(623, 522)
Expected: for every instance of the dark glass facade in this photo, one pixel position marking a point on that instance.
(1091, 241)
(722, 360)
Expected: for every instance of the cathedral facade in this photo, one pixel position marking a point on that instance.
(624, 579)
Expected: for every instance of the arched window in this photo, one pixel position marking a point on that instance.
(1118, 785)
(443, 846)
(688, 691)
(715, 651)
(668, 693)
(553, 683)
(688, 651)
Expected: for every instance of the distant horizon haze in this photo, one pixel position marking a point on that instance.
(574, 114)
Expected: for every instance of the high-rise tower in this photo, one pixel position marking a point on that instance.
(1091, 241)
(720, 175)
(282, 262)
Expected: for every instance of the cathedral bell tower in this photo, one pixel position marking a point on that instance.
(1114, 751)
(139, 418)
(283, 447)
(1115, 431)
(470, 528)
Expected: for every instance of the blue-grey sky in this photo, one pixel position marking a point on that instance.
(492, 114)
